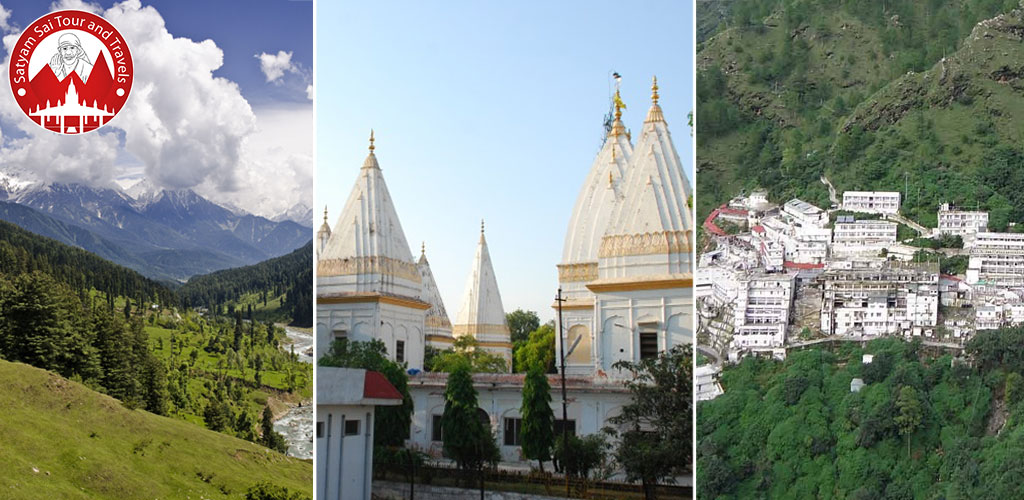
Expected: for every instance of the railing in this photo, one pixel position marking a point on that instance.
(535, 482)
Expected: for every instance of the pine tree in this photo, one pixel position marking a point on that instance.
(465, 437)
(34, 327)
(271, 438)
(538, 419)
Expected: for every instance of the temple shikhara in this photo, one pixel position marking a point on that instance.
(626, 272)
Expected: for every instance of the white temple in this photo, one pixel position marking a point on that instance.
(438, 332)
(368, 286)
(626, 272)
(481, 314)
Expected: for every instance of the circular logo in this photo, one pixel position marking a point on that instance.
(71, 71)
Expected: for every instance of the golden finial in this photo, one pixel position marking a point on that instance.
(619, 105)
(325, 214)
(481, 226)
(654, 91)
(610, 181)
(371, 141)
(423, 248)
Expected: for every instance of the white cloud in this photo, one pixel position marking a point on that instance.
(95, 8)
(275, 66)
(309, 92)
(189, 128)
(277, 160)
(5, 21)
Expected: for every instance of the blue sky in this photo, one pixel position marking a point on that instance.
(239, 69)
(239, 29)
(490, 110)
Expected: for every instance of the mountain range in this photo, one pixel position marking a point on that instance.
(169, 235)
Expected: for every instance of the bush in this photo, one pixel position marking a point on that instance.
(264, 490)
(584, 455)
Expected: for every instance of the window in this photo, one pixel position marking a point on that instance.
(340, 334)
(648, 344)
(435, 428)
(513, 432)
(400, 351)
(319, 429)
(570, 427)
(351, 427)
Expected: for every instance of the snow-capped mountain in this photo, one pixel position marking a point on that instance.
(299, 213)
(178, 232)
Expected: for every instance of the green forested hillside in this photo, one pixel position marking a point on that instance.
(923, 427)
(62, 440)
(23, 252)
(286, 281)
(897, 95)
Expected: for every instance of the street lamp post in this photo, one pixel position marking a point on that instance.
(565, 402)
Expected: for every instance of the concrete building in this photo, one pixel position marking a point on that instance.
(761, 311)
(805, 213)
(592, 401)
(961, 222)
(803, 243)
(346, 400)
(996, 259)
(707, 385)
(882, 202)
(988, 317)
(871, 298)
(864, 233)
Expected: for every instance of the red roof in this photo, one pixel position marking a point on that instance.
(795, 265)
(757, 229)
(375, 386)
(709, 223)
(732, 211)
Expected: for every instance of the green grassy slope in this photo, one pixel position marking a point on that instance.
(89, 446)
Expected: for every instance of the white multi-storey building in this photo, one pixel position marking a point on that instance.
(987, 317)
(882, 202)
(707, 386)
(997, 259)
(761, 311)
(805, 213)
(803, 244)
(864, 232)
(880, 298)
(961, 222)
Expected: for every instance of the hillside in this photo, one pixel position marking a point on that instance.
(923, 425)
(277, 289)
(22, 251)
(891, 95)
(110, 452)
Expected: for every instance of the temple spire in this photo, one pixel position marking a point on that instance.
(617, 126)
(371, 159)
(655, 114)
(325, 214)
